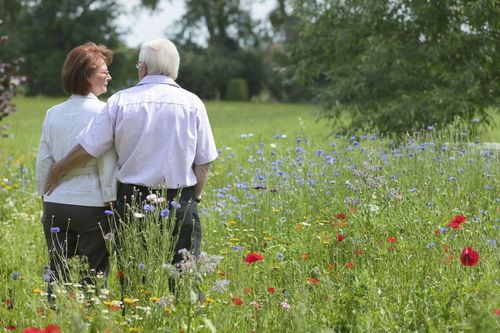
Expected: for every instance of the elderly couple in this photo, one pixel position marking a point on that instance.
(153, 136)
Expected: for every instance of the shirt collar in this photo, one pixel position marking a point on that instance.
(158, 79)
(89, 96)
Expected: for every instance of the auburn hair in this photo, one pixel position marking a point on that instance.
(81, 62)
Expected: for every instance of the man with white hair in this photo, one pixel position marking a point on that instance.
(163, 141)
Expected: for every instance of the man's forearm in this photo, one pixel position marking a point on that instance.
(201, 172)
(76, 157)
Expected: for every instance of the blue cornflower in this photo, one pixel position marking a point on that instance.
(428, 246)
(430, 128)
(319, 152)
(141, 266)
(492, 242)
(55, 229)
(175, 205)
(16, 276)
(108, 212)
(280, 256)
(164, 213)
(443, 230)
(47, 277)
(430, 204)
(24, 170)
(237, 248)
(149, 208)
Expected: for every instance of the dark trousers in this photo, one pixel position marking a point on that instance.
(187, 228)
(75, 230)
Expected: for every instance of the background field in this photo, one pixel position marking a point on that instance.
(353, 231)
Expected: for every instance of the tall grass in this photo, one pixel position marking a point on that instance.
(354, 233)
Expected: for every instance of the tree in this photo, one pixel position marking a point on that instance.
(49, 29)
(399, 64)
(226, 52)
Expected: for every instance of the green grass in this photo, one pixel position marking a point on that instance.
(281, 193)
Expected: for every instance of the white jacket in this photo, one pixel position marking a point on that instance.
(93, 184)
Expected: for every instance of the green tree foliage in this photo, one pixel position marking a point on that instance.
(228, 46)
(237, 90)
(399, 64)
(50, 28)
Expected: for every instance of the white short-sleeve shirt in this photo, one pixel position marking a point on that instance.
(158, 130)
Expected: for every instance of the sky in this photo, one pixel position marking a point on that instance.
(142, 25)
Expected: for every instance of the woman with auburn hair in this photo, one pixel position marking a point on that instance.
(74, 215)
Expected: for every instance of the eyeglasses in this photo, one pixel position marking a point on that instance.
(139, 64)
(104, 72)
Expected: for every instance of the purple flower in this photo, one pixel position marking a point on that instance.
(55, 229)
(109, 236)
(149, 208)
(108, 212)
(164, 213)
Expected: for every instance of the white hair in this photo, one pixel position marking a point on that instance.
(161, 57)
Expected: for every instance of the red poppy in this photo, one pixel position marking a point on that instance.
(306, 256)
(391, 239)
(340, 216)
(11, 327)
(358, 252)
(456, 221)
(236, 301)
(340, 238)
(437, 232)
(496, 311)
(349, 265)
(52, 329)
(246, 290)
(469, 257)
(253, 257)
(271, 290)
(32, 330)
(120, 275)
(312, 280)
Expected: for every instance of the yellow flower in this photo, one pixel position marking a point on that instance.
(235, 239)
(231, 222)
(276, 210)
(268, 238)
(326, 242)
(250, 236)
(209, 300)
(37, 291)
(223, 252)
(129, 300)
(154, 299)
(87, 317)
(8, 187)
(167, 310)
(134, 329)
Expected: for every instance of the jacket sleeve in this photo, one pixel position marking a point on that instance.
(44, 159)
(107, 168)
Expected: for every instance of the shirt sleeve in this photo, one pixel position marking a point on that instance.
(44, 159)
(206, 151)
(98, 136)
(107, 168)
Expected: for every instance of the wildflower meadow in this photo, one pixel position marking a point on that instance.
(304, 230)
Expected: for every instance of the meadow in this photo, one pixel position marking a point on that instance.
(304, 230)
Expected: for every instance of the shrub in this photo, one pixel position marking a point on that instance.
(9, 80)
(237, 90)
